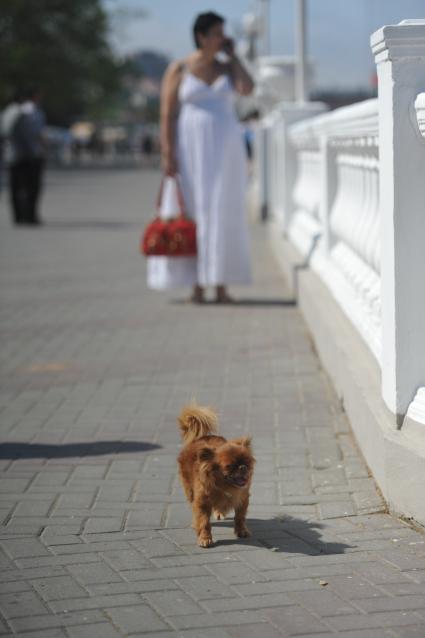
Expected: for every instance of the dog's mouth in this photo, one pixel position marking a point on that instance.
(239, 481)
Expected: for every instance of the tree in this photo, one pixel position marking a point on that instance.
(61, 46)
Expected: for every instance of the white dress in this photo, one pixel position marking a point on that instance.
(212, 165)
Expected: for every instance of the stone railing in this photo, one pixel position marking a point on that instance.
(348, 190)
(335, 213)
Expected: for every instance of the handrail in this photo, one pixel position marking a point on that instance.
(356, 120)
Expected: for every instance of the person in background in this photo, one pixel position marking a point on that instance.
(8, 120)
(202, 142)
(27, 159)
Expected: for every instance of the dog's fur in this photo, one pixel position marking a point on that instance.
(215, 473)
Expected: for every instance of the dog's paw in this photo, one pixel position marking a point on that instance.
(242, 532)
(205, 541)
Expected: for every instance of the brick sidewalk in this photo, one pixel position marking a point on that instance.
(95, 534)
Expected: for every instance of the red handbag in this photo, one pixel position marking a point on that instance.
(173, 237)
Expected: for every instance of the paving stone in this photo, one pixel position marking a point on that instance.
(402, 589)
(209, 632)
(170, 603)
(253, 631)
(211, 620)
(295, 620)
(200, 557)
(45, 633)
(275, 586)
(403, 560)
(93, 573)
(152, 547)
(382, 573)
(417, 575)
(35, 508)
(388, 603)
(66, 605)
(337, 509)
(149, 518)
(370, 621)
(236, 573)
(58, 587)
(417, 631)
(22, 548)
(23, 603)
(166, 572)
(67, 559)
(141, 586)
(13, 586)
(322, 602)
(252, 602)
(353, 587)
(136, 618)
(264, 559)
(203, 587)
(99, 630)
(13, 485)
(78, 547)
(104, 524)
(31, 623)
(125, 559)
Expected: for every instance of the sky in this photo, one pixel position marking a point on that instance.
(338, 31)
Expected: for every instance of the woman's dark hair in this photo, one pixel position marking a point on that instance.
(203, 24)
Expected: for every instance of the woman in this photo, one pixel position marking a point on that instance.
(202, 142)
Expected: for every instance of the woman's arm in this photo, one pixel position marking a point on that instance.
(242, 81)
(168, 116)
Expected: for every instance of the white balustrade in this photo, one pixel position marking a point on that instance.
(356, 177)
(335, 196)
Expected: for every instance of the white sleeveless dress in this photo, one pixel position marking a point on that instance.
(212, 165)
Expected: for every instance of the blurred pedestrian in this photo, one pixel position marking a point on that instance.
(8, 120)
(202, 142)
(27, 159)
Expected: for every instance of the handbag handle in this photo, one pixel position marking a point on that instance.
(180, 199)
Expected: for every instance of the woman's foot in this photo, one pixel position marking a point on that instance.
(222, 295)
(197, 295)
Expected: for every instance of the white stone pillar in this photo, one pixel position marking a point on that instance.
(291, 113)
(301, 53)
(400, 56)
(328, 187)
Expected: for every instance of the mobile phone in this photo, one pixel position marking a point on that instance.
(228, 46)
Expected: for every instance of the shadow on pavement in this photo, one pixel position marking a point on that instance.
(240, 302)
(287, 535)
(95, 224)
(17, 450)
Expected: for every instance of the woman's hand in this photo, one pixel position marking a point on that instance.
(229, 47)
(169, 164)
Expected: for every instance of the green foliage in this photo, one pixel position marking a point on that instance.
(60, 46)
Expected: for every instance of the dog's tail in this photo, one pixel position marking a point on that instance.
(196, 421)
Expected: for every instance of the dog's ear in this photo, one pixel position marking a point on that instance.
(245, 441)
(206, 454)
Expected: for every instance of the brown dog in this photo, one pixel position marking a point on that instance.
(216, 474)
